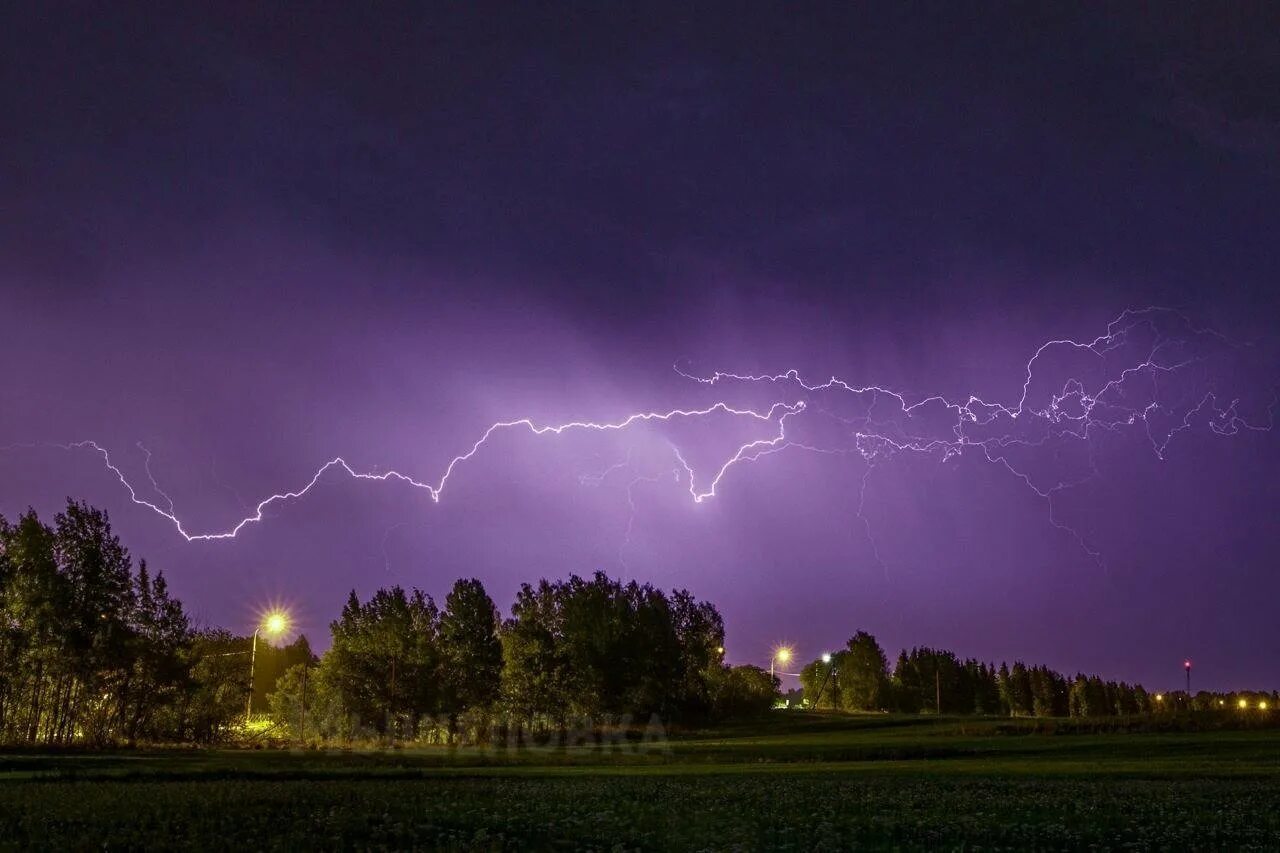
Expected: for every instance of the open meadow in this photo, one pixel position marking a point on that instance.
(796, 781)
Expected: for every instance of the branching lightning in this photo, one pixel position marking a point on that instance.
(436, 489)
(1160, 343)
(1151, 370)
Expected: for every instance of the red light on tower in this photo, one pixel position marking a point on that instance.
(1187, 665)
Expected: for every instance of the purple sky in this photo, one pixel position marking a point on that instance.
(254, 242)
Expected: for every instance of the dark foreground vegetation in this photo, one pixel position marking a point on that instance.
(797, 781)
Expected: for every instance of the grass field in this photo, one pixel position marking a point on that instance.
(798, 782)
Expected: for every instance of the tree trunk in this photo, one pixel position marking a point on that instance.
(37, 689)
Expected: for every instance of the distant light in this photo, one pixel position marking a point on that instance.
(1263, 704)
(826, 657)
(1244, 703)
(783, 654)
(719, 650)
(1159, 697)
(1222, 702)
(1187, 664)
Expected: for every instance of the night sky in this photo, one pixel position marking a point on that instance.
(256, 237)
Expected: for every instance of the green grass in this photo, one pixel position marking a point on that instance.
(797, 781)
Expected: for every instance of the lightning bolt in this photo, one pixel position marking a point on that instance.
(777, 412)
(876, 438)
(1109, 397)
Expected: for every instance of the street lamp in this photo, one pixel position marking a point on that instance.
(781, 655)
(831, 670)
(274, 623)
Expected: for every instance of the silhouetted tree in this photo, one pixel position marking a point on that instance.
(599, 648)
(470, 651)
(386, 660)
(1016, 689)
(535, 668)
(700, 639)
(92, 652)
(863, 674)
(161, 634)
(744, 691)
(213, 702)
(307, 704)
(926, 677)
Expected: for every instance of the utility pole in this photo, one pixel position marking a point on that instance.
(831, 671)
(1187, 665)
(253, 658)
(272, 624)
(391, 697)
(302, 730)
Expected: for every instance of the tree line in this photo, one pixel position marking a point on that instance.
(95, 650)
(590, 650)
(858, 678)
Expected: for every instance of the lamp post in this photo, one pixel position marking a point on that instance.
(1186, 664)
(781, 655)
(273, 624)
(831, 670)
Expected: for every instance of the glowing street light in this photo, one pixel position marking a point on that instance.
(1262, 706)
(274, 623)
(826, 657)
(1243, 703)
(781, 655)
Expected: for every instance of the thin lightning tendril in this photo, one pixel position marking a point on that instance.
(146, 465)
